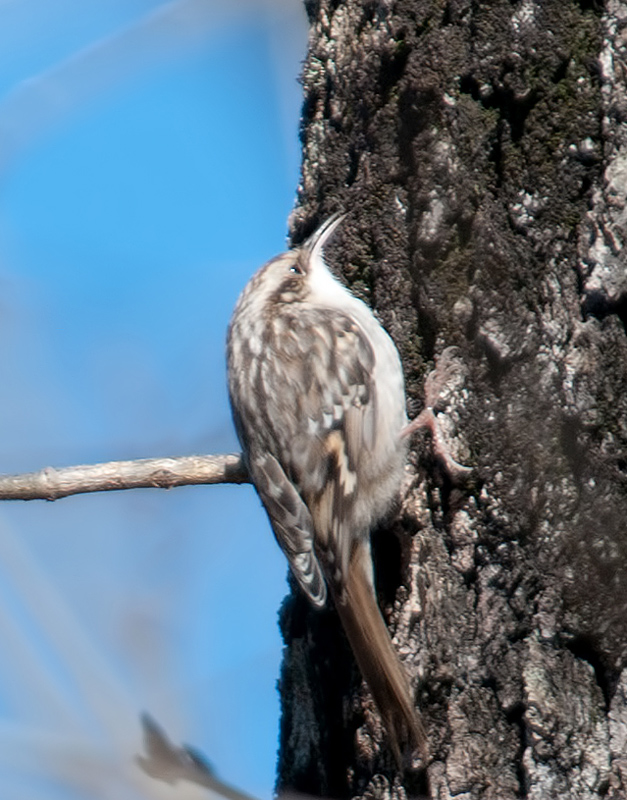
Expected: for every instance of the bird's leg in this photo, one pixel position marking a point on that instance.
(446, 370)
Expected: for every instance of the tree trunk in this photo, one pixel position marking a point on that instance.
(480, 149)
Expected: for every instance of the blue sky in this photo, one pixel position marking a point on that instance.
(148, 163)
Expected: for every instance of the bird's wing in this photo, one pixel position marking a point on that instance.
(334, 399)
(314, 410)
(292, 524)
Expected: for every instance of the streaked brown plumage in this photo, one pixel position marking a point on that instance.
(318, 400)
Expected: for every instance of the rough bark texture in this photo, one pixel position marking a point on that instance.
(481, 150)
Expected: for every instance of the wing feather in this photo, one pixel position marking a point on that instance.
(292, 525)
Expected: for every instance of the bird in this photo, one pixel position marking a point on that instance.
(317, 396)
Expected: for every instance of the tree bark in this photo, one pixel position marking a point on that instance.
(480, 149)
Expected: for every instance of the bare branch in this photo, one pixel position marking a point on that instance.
(166, 762)
(157, 473)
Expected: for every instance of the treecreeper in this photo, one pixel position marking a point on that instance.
(318, 399)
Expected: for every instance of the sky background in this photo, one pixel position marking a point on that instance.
(148, 163)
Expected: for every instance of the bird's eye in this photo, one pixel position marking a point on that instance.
(295, 269)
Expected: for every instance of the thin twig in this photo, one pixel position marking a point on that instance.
(158, 473)
(166, 762)
(171, 764)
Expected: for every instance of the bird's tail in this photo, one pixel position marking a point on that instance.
(377, 659)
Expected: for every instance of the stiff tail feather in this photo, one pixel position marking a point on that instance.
(377, 659)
